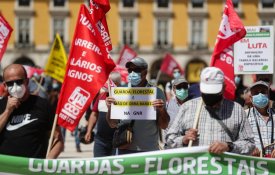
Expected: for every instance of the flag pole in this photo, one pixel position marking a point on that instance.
(196, 121)
(157, 79)
(109, 87)
(52, 133)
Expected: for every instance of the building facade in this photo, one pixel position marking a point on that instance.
(185, 28)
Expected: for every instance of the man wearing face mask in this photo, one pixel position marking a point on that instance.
(261, 118)
(25, 120)
(180, 88)
(168, 87)
(145, 132)
(222, 125)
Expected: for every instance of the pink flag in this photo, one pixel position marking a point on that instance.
(5, 33)
(126, 55)
(123, 72)
(88, 68)
(231, 30)
(169, 64)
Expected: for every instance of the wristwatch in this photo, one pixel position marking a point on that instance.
(230, 146)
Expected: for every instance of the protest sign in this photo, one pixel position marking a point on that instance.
(254, 54)
(231, 30)
(56, 65)
(5, 33)
(133, 103)
(195, 160)
(88, 68)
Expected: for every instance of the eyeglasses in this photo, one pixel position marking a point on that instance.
(137, 70)
(18, 82)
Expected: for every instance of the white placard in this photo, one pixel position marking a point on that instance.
(133, 103)
(254, 54)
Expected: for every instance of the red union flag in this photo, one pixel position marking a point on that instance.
(126, 55)
(169, 64)
(5, 33)
(98, 9)
(88, 68)
(231, 30)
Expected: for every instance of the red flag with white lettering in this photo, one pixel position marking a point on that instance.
(88, 68)
(231, 30)
(5, 33)
(126, 54)
(98, 9)
(169, 64)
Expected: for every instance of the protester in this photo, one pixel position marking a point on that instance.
(268, 79)
(168, 87)
(180, 89)
(239, 92)
(222, 123)
(261, 118)
(104, 134)
(145, 132)
(26, 120)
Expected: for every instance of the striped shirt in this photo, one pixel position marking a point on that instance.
(265, 129)
(209, 129)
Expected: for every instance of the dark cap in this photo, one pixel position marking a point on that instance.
(137, 61)
(260, 83)
(179, 80)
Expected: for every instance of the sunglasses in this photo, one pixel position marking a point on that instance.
(18, 82)
(137, 70)
(180, 86)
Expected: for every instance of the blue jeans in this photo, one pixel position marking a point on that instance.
(103, 147)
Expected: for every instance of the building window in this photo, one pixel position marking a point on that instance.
(163, 3)
(128, 3)
(25, 3)
(59, 27)
(267, 22)
(268, 3)
(196, 33)
(162, 32)
(197, 3)
(235, 3)
(128, 31)
(23, 31)
(59, 3)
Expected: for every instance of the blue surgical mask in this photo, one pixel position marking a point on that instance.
(134, 78)
(181, 94)
(237, 80)
(176, 75)
(260, 100)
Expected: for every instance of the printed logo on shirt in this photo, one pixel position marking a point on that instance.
(18, 121)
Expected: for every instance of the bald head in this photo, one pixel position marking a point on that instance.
(14, 71)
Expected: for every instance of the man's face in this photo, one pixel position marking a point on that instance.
(139, 70)
(259, 89)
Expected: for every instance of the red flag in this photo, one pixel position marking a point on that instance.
(88, 68)
(123, 72)
(169, 64)
(98, 9)
(231, 30)
(126, 54)
(32, 70)
(5, 33)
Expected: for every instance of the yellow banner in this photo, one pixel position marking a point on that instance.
(56, 65)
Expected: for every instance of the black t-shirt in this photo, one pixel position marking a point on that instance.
(27, 131)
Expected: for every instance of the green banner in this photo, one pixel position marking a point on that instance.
(174, 161)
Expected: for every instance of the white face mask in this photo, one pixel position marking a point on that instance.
(16, 90)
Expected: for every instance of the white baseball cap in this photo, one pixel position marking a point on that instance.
(212, 79)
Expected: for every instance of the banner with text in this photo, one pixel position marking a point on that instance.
(5, 33)
(133, 103)
(88, 68)
(254, 54)
(194, 160)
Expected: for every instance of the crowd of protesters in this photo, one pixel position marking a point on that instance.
(244, 126)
